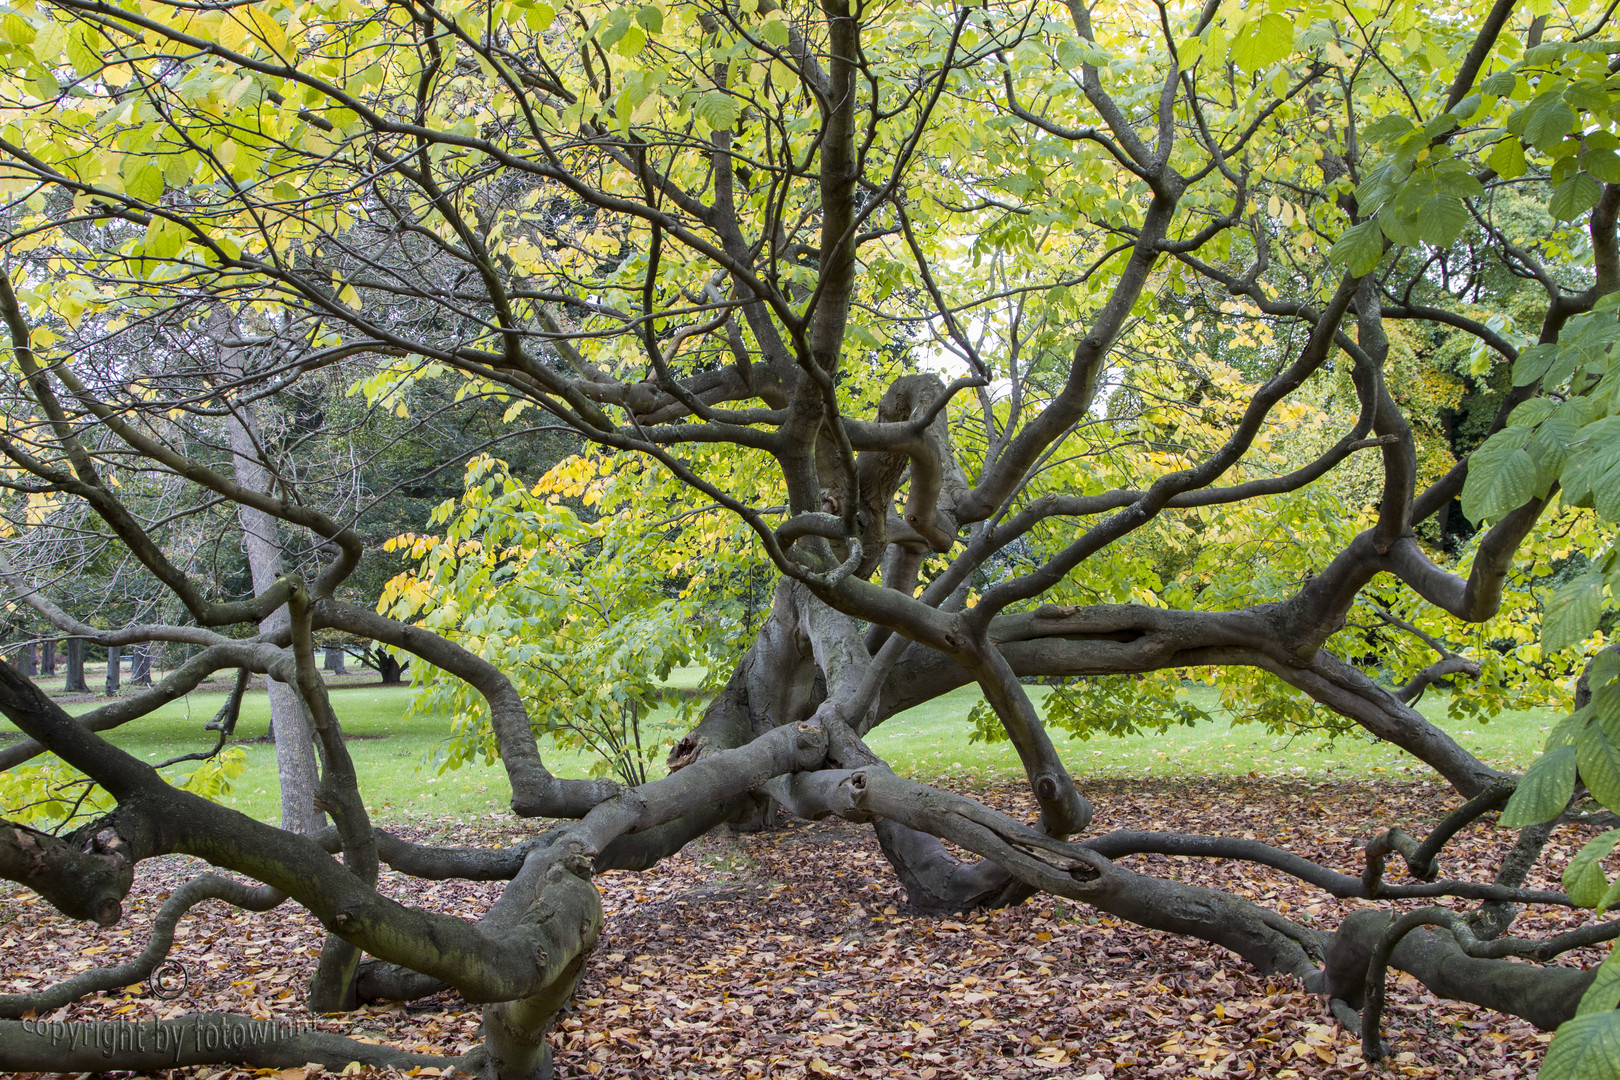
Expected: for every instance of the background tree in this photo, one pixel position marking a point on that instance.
(730, 242)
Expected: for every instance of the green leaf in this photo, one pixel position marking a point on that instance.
(50, 41)
(1552, 440)
(1386, 127)
(1603, 164)
(775, 32)
(1604, 993)
(81, 53)
(1544, 790)
(1571, 615)
(1507, 159)
(1565, 731)
(1442, 220)
(1606, 495)
(718, 110)
(1268, 41)
(612, 29)
(1585, 1048)
(1359, 248)
(1605, 667)
(1532, 412)
(164, 238)
(1376, 189)
(651, 18)
(1465, 109)
(1596, 456)
(539, 17)
(1587, 94)
(1439, 125)
(1501, 477)
(177, 169)
(1548, 124)
(1454, 177)
(16, 29)
(1574, 197)
(1533, 363)
(44, 85)
(145, 183)
(1401, 227)
(1605, 706)
(1499, 84)
(1599, 762)
(1584, 879)
(1610, 898)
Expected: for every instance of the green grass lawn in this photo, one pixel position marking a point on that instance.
(929, 742)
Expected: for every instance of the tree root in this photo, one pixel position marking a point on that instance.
(1545, 996)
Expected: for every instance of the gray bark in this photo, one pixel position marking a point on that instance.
(291, 726)
(74, 681)
(1545, 996)
(140, 665)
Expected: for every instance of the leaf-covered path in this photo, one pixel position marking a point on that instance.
(790, 954)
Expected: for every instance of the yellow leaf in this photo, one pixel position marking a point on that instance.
(50, 40)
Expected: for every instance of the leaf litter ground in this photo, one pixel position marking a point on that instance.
(790, 953)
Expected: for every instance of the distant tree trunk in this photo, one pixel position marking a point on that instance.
(75, 683)
(391, 670)
(47, 657)
(290, 724)
(112, 669)
(25, 660)
(332, 986)
(140, 666)
(335, 660)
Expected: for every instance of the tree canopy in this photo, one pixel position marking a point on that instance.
(912, 345)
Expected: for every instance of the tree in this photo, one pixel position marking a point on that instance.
(580, 613)
(1181, 276)
(291, 726)
(140, 666)
(75, 668)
